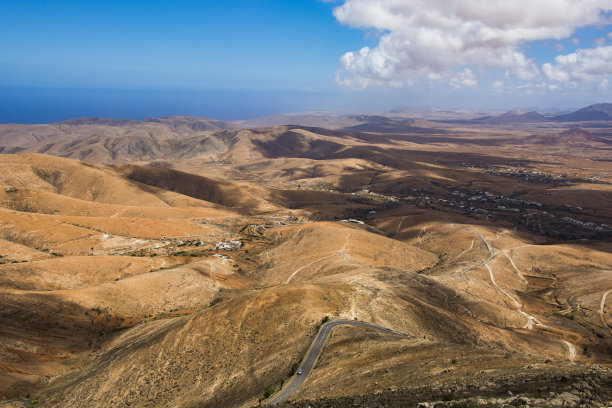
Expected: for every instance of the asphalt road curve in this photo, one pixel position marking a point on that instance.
(313, 354)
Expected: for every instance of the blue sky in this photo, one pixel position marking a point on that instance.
(239, 44)
(237, 59)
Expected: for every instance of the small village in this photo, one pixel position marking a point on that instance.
(527, 215)
(535, 176)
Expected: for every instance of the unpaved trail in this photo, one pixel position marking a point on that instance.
(118, 213)
(308, 264)
(571, 350)
(463, 252)
(520, 274)
(423, 231)
(486, 242)
(340, 252)
(212, 270)
(462, 271)
(602, 307)
(353, 311)
(532, 321)
(399, 226)
(516, 302)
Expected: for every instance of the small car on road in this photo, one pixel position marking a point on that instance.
(299, 372)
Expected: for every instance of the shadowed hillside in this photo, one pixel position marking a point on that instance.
(189, 264)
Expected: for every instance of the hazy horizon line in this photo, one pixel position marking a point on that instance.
(49, 104)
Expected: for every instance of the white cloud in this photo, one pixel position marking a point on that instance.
(465, 78)
(590, 65)
(450, 40)
(604, 84)
(600, 41)
(497, 84)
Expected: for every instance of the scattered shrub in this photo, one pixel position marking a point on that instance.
(268, 391)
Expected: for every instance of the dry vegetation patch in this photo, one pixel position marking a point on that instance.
(197, 269)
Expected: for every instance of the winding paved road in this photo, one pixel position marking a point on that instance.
(313, 354)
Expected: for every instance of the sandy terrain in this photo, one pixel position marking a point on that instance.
(197, 273)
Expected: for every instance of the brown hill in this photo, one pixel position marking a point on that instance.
(116, 140)
(82, 181)
(229, 194)
(200, 278)
(184, 361)
(173, 122)
(573, 137)
(333, 247)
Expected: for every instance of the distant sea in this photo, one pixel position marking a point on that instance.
(47, 104)
(40, 104)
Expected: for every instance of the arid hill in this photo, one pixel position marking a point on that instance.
(194, 267)
(574, 137)
(105, 140)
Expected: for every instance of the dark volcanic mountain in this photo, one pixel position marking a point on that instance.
(597, 112)
(593, 113)
(513, 116)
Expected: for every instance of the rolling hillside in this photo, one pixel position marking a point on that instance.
(195, 266)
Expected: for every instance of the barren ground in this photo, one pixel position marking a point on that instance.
(197, 277)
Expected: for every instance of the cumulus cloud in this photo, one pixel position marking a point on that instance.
(600, 41)
(454, 40)
(498, 84)
(590, 65)
(465, 78)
